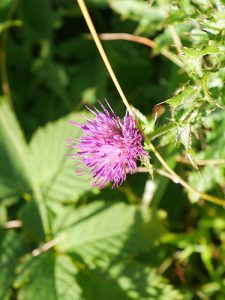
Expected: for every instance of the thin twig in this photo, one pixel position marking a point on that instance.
(45, 247)
(129, 37)
(202, 162)
(13, 224)
(141, 40)
(176, 177)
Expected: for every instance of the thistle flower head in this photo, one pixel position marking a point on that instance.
(109, 147)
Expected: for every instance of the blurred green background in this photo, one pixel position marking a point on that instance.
(62, 239)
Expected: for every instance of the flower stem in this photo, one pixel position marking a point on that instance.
(103, 54)
(101, 50)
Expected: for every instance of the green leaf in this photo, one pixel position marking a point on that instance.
(48, 276)
(214, 24)
(184, 95)
(131, 280)
(32, 224)
(3, 215)
(193, 58)
(98, 285)
(4, 4)
(148, 16)
(17, 174)
(199, 37)
(38, 17)
(141, 282)
(14, 157)
(110, 231)
(52, 74)
(12, 246)
(184, 136)
(210, 176)
(54, 170)
(146, 124)
(198, 53)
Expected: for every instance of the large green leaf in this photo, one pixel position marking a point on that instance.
(98, 232)
(54, 168)
(97, 285)
(14, 175)
(32, 223)
(12, 246)
(17, 172)
(54, 277)
(141, 282)
(48, 276)
(131, 280)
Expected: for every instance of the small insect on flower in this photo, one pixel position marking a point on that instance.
(109, 147)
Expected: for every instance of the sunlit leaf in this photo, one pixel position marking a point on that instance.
(185, 94)
(141, 282)
(48, 276)
(110, 231)
(55, 171)
(12, 246)
(14, 157)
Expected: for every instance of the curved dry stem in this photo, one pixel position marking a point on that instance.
(140, 40)
(173, 174)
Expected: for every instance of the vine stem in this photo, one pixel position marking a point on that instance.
(101, 50)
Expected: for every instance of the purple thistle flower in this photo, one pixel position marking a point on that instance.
(109, 147)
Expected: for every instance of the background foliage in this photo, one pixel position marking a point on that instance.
(148, 239)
